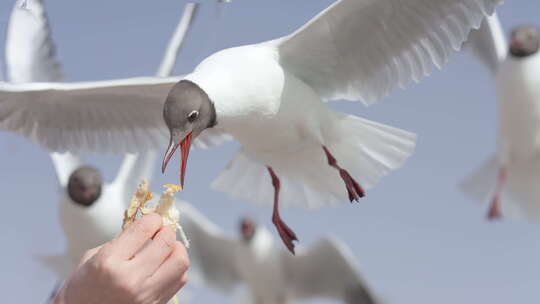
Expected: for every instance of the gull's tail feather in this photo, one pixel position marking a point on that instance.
(366, 149)
(520, 195)
(480, 184)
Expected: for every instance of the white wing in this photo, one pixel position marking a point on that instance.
(30, 56)
(362, 49)
(30, 51)
(328, 270)
(64, 165)
(177, 40)
(488, 43)
(211, 252)
(116, 116)
(105, 116)
(134, 168)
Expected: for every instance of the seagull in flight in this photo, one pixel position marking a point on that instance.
(271, 97)
(326, 269)
(91, 209)
(508, 179)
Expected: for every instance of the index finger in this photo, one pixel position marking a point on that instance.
(131, 240)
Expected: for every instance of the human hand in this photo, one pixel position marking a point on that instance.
(144, 264)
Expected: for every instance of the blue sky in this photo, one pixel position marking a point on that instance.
(417, 238)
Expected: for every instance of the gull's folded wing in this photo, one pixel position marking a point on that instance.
(362, 49)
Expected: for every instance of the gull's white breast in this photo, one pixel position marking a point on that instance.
(261, 269)
(518, 90)
(88, 227)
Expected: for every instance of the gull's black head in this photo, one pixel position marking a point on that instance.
(84, 186)
(187, 112)
(525, 41)
(247, 228)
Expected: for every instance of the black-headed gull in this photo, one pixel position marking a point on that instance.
(268, 96)
(30, 52)
(91, 210)
(327, 269)
(516, 67)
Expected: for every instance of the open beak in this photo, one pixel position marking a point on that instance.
(184, 145)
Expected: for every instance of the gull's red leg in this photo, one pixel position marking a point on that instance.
(353, 188)
(495, 206)
(286, 233)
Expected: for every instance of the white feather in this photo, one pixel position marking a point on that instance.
(355, 49)
(367, 149)
(177, 40)
(30, 51)
(64, 165)
(281, 123)
(518, 93)
(488, 43)
(327, 269)
(518, 142)
(115, 116)
(268, 96)
(362, 49)
(83, 227)
(481, 183)
(212, 253)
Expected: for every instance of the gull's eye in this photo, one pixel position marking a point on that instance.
(192, 116)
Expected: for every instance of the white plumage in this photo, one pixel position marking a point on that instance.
(269, 97)
(517, 83)
(357, 50)
(271, 275)
(30, 51)
(30, 57)
(89, 227)
(488, 43)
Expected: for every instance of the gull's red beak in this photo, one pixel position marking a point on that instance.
(185, 145)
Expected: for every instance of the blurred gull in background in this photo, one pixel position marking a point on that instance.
(509, 179)
(326, 269)
(91, 210)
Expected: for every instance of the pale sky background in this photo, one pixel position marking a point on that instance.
(417, 238)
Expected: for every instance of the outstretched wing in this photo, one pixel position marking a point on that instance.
(362, 49)
(488, 43)
(177, 40)
(211, 252)
(114, 116)
(328, 270)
